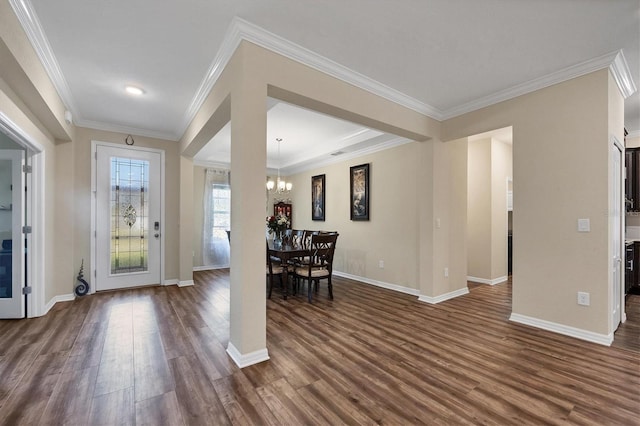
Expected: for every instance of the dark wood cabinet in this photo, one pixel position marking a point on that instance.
(283, 209)
(632, 179)
(630, 270)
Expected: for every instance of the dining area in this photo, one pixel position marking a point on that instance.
(298, 258)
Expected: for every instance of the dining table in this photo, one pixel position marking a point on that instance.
(286, 251)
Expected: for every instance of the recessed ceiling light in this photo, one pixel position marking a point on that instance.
(134, 90)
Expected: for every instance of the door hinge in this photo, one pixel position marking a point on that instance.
(95, 273)
(26, 229)
(27, 168)
(26, 290)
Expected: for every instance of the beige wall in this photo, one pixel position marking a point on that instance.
(479, 210)
(501, 170)
(390, 234)
(82, 189)
(561, 173)
(198, 214)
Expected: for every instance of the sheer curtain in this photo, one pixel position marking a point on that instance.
(217, 218)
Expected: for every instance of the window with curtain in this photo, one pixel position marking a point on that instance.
(217, 218)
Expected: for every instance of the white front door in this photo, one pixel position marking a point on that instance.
(616, 240)
(128, 217)
(12, 301)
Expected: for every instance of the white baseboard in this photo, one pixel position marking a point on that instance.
(56, 299)
(487, 281)
(395, 287)
(443, 297)
(247, 359)
(209, 268)
(185, 283)
(578, 333)
(170, 282)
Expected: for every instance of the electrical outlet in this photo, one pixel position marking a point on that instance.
(583, 298)
(446, 272)
(381, 264)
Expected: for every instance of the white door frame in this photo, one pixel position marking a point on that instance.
(615, 143)
(94, 183)
(35, 214)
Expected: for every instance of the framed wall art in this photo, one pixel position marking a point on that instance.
(359, 189)
(317, 197)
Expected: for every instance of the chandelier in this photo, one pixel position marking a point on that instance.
(280, 186)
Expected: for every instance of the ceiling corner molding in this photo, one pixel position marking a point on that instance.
(319, 162)
(621, 74)
(97, 125)
(229, 45)
(560, 76)
(239, 30)
(31, 26)
(284, 47)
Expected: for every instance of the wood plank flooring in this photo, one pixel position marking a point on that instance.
(157, 356)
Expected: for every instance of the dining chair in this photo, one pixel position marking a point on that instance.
(274, 268)
(287, 237)
(297, 237)
(320, 266)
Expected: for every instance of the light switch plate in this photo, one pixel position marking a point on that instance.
(584, 225)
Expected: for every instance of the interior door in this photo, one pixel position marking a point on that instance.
(128, 217)
(616, 239)
(12, 261)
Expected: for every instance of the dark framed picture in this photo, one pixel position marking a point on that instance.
(359, 179)
(317, 197)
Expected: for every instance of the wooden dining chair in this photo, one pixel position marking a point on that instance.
(297, 237)
(320, 266)
(274, 268)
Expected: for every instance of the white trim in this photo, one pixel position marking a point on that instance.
(185, 283)
(578, 333)
(209, 267)
(634, 134)
(388, 286)
(246, 360)
(170, 282)
(621, 74)
(565, 74)
(443, 297)
(487, 281)
(31, 25)
(319, 162)
(163, 215)
(36, 212)
(98, 125)
(61, 298)
(239, 30)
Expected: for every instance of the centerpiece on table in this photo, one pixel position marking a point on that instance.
(277, 225)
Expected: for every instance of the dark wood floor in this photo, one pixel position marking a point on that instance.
(157, 356)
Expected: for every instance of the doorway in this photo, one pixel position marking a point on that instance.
(617, 296)
(128, 216)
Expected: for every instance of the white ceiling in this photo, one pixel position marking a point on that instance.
(444, 55)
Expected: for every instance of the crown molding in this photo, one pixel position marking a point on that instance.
(634, 134)
(98, 125)
(321, 162)
(284, 47)
(229, 45)
(31, 25)
(239, 30)
(533, 85)
(621, 74)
